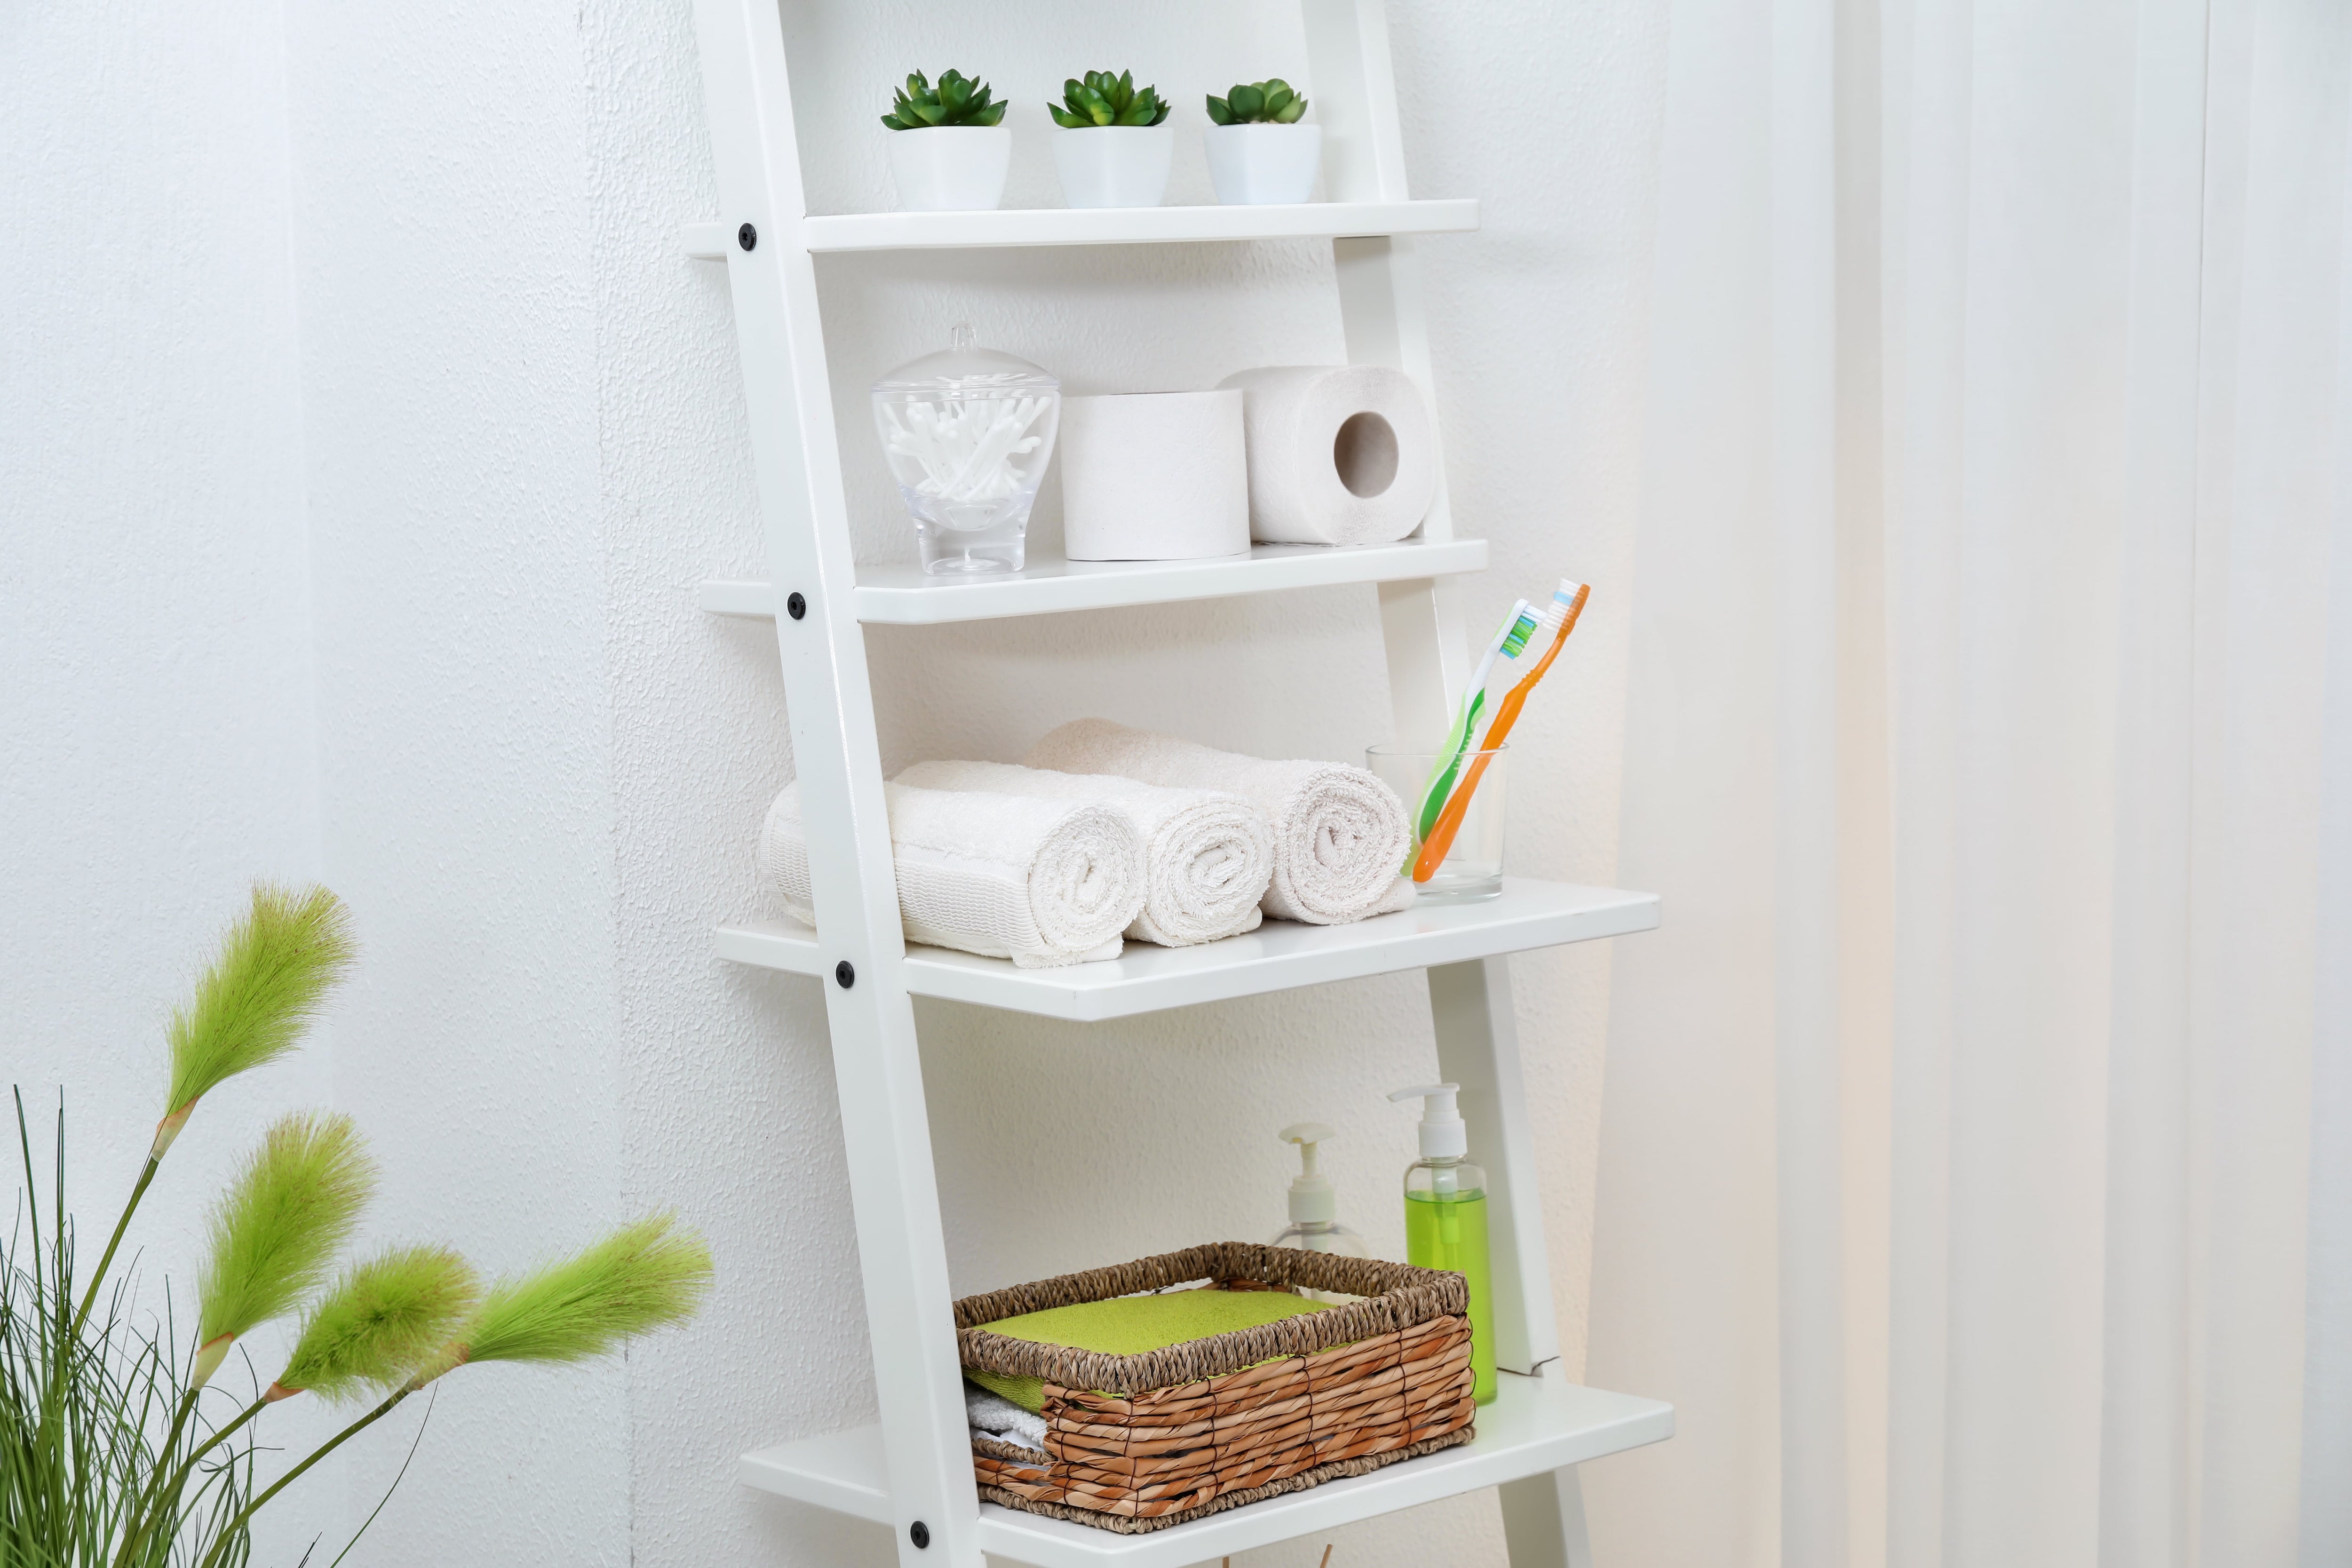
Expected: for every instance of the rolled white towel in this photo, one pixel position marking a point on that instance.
(1208, 854)
(1341, 835)
(1041, 882)
(998, 1419)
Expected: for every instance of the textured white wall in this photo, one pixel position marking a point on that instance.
(536, 770)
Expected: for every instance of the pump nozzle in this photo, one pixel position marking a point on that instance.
(1312, 1199)
(1442, 1135)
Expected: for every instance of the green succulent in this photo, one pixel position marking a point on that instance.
(1258, 103)
(1103, 98)
(958, 100)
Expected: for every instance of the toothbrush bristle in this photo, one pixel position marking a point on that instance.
(1521, 629)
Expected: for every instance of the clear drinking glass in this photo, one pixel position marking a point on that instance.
(1472, 866)
(968, 432)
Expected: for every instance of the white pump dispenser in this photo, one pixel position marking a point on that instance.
(1442, 1135)
(1315, 1207)
(1311, 1197)
(1445, 1216)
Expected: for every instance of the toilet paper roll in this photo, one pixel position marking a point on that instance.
(1338, 454)
(1154, 476)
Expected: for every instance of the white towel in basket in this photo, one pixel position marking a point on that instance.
(1208, 854)
(1340, 834)
(1041, 882)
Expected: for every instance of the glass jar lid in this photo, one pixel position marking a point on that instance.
(967, 370)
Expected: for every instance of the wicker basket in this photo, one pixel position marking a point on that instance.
(1142, 1442)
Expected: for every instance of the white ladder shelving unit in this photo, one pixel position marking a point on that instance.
(913, 1471)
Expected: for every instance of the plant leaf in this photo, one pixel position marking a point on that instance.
(1219, 113)
(1246, 102)
(991, 115)
(1289, 116)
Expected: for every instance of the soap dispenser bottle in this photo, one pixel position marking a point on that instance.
(1445, 1218)
(1314, 1208)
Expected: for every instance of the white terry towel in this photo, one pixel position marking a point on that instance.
(1208, 854)
(998, 1419)
(1041, 882)
(1340, 834)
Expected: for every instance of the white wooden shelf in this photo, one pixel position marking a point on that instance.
(1532, 1438)
(1535, 1424)
(1277, 956)
(1103, 226)
(905, 596)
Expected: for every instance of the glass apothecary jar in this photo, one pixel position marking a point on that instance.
(968, 432)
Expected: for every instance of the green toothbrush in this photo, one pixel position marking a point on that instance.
(1519, 626)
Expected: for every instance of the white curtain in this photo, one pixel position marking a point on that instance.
(1975, 1172)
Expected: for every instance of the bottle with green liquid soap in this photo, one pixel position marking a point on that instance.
(1445, 1218)
(1314, 1209)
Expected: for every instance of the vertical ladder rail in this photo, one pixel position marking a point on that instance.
(1354, 89)
(877, 1066)
(1422, 625)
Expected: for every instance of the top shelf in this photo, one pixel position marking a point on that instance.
(1104, 226)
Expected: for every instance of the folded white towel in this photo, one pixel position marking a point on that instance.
(1000, 1420)
(1208, 854)
(1340, 834)
(1041, 882)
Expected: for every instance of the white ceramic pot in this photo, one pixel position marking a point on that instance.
(1115, 165)
(950, 168)
(1253, 166)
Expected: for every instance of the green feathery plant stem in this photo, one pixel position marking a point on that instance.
(956, 100)
(85, 1390)
(76, 1415)
(642, 1277)
(383, 1317)
(277, 1229)
(273, 1235)
(270, 982)
(379, 1323)
(1102, 99)
(1274, 103)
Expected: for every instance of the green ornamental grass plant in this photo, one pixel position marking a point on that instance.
(108, 1455)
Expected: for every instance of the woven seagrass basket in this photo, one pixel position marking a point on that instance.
(1142, 1442)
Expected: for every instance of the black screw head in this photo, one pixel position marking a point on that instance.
(920, 1535)
(748, 238)
(795, 607)
(845, 977)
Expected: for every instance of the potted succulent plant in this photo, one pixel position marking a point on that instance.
(958, 160)
(1259, 150)
(1115, 143)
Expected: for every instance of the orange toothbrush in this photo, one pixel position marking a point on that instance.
(1568, 602)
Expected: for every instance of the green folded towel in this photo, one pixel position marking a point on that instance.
(1130, 1325)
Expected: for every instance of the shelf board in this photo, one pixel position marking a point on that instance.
(1536, 1424)
(1104, 226)
(1278, 956)
(905, 596)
